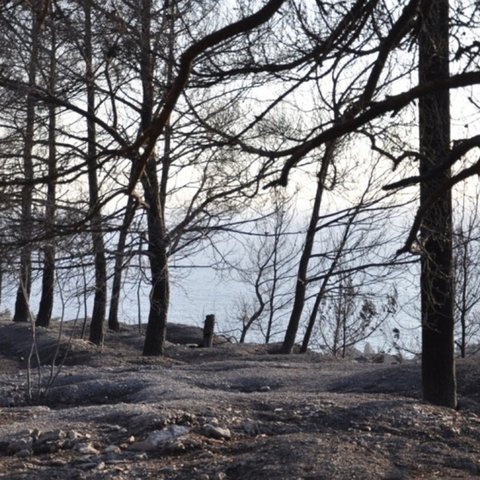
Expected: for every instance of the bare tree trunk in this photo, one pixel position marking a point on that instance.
(438, 363)
(156, 333)
(275, 281)
(464, 258)
(113, 323)
(321, 292)
(273, 291)
(301, 284)
(252, 320)
(155, 193)
(22, 309)
(1, 282)
(100, 296)
(48, 279)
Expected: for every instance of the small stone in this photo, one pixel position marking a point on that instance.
(112, 449)
(73, 435)
(116, 428)
(158, 438)
(53, 436)
(188, 417)
(24, 453)
(19, 445)
(167, 470)
(86, 449)
(141, 456)
(213, 431)
(251, 427)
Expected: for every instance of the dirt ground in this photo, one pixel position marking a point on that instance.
(229, 412)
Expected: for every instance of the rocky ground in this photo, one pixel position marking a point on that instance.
(230, 412)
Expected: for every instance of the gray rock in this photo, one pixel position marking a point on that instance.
(53, 436)
(25, 453)
(20, 445)
(251, 427)
(159, 438)
(73, 435)
(112, 449)
(86, 449)
(215, 431)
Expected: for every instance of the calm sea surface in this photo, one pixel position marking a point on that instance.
(195, 293)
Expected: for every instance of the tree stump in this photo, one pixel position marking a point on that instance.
(208, 330)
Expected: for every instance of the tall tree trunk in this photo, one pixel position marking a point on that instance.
(48, 279)
(438, 363)
(155, 191)
(100, 296)
(22, 309)
(464, 256)
(156, 332)
(113, 323)
(1, 282)
(331, 269)
(273, 290)
(301, 283)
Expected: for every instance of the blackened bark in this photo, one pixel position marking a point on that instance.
(313, 317)
(113, 323)
(323, 288)
(22, 309)
(208, 331)
(100, 296)
(301, 283)
(273, 291)
(1, 282)
(48, 283)
(463, 268)
(438, 364)
(48, 278)
(156, 332)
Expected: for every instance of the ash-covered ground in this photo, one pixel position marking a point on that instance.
(229, 412)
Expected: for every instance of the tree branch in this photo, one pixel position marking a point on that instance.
(461, 148)
(150, 136)
(377, 109)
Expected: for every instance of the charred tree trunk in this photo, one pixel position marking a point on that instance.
(301, 283)
(323, 288)
(156, 332)
(100, 296)
(438, 364)
(22, 309)
(1, 282)
(463, 275)
(48, 279)
(155, 193)
(208, 331)
(113, 323)
(275, 281)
